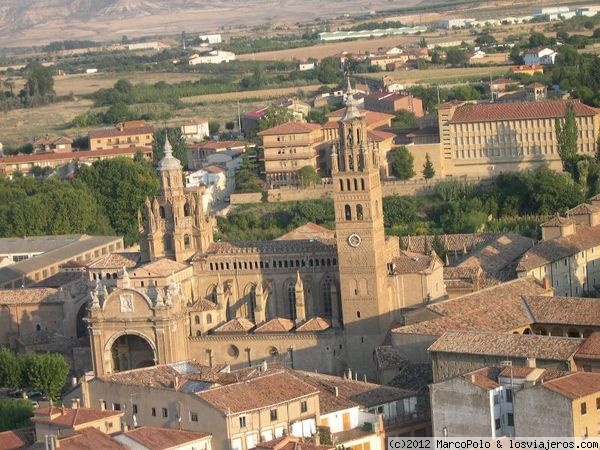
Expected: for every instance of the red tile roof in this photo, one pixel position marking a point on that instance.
(237, 325)
(116, 132)
(154, 438)
(489, 112)
(261, 392)
(309, 230)
(314, 324)
(16, 439)
(590, 349)
(220, 145)
(68, 417)
(80, 155)
(564, 310)
(379, 136)
(575, 385)
(291, 128)
(276, 325)
(256, 113)
(90, 439)
(373, 117)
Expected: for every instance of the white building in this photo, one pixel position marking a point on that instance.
(195, 130)
(302, 67)
(587, 11)
(214, 179)
(213, 57)
(456, 23)
(210, 38)
(155, 45)
(550, 10)
(544, 56)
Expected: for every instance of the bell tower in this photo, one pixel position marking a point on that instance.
(360, 239)
(176, 225)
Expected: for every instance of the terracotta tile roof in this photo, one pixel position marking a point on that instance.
(161, 267)
(90, 439)
(67, 417)
(584, 208)
(220, 145)
(414, 376)
(373, 117)
(237, 325)
(274, 247)
(291, 128)
(60, 279)
(506, 345)
(564, 310)
(555, 249)
(590, 349)
(116, 261)
(154, 438)
(309, 230)
(497, 308)
(314, 324)
(213, 168)
(387, 96)
(276, 325)
(389, 357)
(52, 140)
(557, 221)
(17, 439)
(575, 385)
(115, 132)
(413, 263)
(353, 392)
(525, 67)
(261, 392)
(489, 112)
(204, 304)
(165, 375)
(517, 372)
(379, 136)
(256, 113)
(452, 242)
(29, 296)
(332, 125)
(292, 443)
(486, 377)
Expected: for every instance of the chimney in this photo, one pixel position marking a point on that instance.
(102, 405)
(63, 410)
(74, 403)
(336, 391)
(547, 283)
(349, 373)
(176, 382)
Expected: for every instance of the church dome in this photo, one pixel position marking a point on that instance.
(169, 162)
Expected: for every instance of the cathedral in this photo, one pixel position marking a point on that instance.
(313, 299)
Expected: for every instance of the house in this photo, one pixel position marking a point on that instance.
(528, 69)
(154, 438)
(298, 108)
(52, 144)
(212, 57)
(210, 38)
(198, 154)
(390, 103)
(195, 130)
(214, 180)
(543, 56)
(135, 133)
(250, 120)
(303, 67)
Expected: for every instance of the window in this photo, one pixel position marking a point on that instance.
(116, 407)
(496, 400)
(242, 421)
(291, 292)
(510, 420)
(196, 320)
(359, 212)
(509, 396)
(193, 417)
(583, 408)
(187, 242)
(304, 406)
(273, 415)
(165, 413)
(153, 412)
(348, 212)
(134, 408)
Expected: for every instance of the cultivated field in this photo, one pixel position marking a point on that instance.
(441, 76)
(262, 94)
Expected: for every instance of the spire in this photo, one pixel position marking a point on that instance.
(168, 148)
(169, 162)
(352, 111)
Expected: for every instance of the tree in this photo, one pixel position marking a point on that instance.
(118, 112)
(230, 125)
(485, 39)
(47, 372)
(423, 43)
(435, 57)
(566, 135)
(121, 187)
(177, 143)
(213, 127)
(329, 70)
(308, 176)
(428, 170)
(275, 115)
(399, 210)
(10, 369)
(39, 81)
(404, 119)
(402, 163)
(456, 56)
(15, 414)
(437, 245)
(247, 178)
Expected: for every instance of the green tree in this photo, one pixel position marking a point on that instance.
(10, 369)
(435, 57)
(15, 414)
(275, 115)
(485, 39)
(177, 143)
(308, 176)
(404, 119)
(121, 186)
(566, 135)
(213, 127)
(47, 372)
(230, 125)
(437, 245)
(428, 170)
(423, 43)
(118, 112)
(247, 177)
(329, 70)
(456, 56)
(39, 81)
(399, 210)
(402, 163)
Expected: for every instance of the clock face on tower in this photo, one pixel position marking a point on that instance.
(354, 240)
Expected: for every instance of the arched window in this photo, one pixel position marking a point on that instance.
(167, 242)
(341, 185)
(348, 184)
(114, 276)
(161, 212)
(187, 242)
(348, 212)
(198, 333)
(362, 184)
(208, 318)
(291, 294)
(211, 293)
(326, 296)
(359, 212)
(108, 276)
(197, 320)
(358, 136)
(355, 184)
(187, 211)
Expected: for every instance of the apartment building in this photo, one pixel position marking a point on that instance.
(487, 139)
(288, 148)
(569, 255)
(136, 133)
(49, 143)
(61, 421)
(392, 102)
